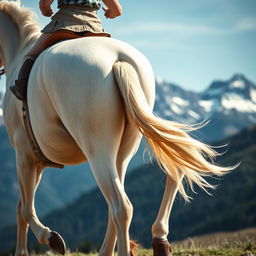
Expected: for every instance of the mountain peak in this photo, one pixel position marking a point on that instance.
(238, 76)
(237, 84)
(232, 101)
(238, 81)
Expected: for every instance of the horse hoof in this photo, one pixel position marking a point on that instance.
(57, 243)
(161, 247)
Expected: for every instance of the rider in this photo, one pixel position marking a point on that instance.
(75, 18)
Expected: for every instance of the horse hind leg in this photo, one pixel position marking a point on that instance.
(128, 147)
(120, 208)
(160, 228)
(29, 176)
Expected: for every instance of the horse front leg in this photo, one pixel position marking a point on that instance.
(160, 228)
(22, 223)
(29, 175)
(22, 230)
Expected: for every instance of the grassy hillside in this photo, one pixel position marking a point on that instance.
(240, 243)
(231, 207)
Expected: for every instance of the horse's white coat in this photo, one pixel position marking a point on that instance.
(90, 99)
(74, 83)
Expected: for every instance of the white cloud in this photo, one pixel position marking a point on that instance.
(152, 44)
(248, 24)
(165, 27)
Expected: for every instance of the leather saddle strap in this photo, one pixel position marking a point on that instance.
(2, 72)
(62, 35)
(35, 147)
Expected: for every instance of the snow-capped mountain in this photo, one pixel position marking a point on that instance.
(229, 105)
(1, 117)
(236, 94)
(1, 110)
(177, 104)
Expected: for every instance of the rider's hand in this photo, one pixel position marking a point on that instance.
(113, 10)
(111, 13)
(45, 7)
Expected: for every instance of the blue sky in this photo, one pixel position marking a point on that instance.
(188, 42)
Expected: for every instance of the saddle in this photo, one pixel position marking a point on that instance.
(56, 37)
(62, 35)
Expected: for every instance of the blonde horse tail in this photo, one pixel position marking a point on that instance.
(175, 150)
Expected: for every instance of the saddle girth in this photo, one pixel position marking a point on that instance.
(35, 147)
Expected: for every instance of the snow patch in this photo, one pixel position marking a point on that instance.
(180, 101)
(253, 95)
(206, 105)
(1, 117)
(193, 114)
(176, 109)
(234, 101)
(237, 84)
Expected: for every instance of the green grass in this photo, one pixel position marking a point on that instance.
(246, 249)
(240, 243)
(191, 252)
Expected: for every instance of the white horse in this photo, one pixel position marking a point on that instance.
(91, 99)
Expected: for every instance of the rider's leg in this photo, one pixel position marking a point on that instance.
(20, 87)
(43, 42)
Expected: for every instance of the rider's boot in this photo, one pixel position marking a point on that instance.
(19, 89)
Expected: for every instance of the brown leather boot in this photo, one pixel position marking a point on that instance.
(19, 89)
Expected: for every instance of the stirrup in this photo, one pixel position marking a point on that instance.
(20, 94)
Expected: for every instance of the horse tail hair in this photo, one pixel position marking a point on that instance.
(176, 152)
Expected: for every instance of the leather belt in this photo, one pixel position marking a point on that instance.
(2, 72)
